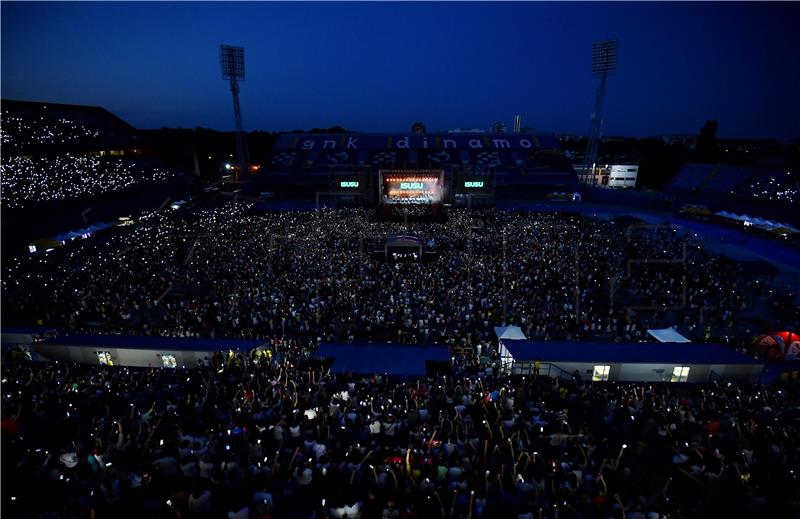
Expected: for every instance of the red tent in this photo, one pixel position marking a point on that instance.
(778, 345)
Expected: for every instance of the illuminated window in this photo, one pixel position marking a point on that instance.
(169, 361)
(105, 358)
(600, 373)
(680, 374)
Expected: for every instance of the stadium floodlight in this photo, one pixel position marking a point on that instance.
(604, 56)
(232, 61)
(604, 61)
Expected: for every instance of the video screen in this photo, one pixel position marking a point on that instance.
(412, 189)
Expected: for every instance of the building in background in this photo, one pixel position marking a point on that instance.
(418, 128)
(497, 127)
(623, 175)
(466, 130)
(517, 123)
(609, 175)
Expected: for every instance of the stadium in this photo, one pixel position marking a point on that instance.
(345, 324)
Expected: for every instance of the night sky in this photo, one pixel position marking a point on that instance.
(382, 66)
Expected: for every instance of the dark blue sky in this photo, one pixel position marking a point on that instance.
(381, 66)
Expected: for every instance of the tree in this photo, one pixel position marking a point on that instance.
(707, 149)
(659, 163)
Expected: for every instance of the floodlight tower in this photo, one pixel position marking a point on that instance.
(232, 61)
(604, 61)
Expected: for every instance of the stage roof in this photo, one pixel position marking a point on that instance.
(637, 352)
(394, 359)
(165, 344)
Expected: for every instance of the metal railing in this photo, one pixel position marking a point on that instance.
(547, 369)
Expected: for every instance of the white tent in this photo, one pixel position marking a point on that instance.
(761, 223)
(509, 332)
(506, 333)
(667, 335)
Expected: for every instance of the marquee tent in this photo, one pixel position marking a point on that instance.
(509, 332)
(758, 223)
(783, 345)
(667, 335)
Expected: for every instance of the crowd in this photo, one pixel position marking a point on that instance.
(779, 187)
(27, 180)
(19, 133)
(272, 435)
(226, 272)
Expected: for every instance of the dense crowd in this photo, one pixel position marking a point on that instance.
(227, 272)
(27, 180)
(20, 133)
(273, 435)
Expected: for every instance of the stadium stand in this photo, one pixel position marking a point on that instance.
(736, 182)
(783, 187)
(37, 180)
(512, 165)
(723, 180)
(54, 152)
(29, 127)
(688, 178)
(304, 153)
(710, 178)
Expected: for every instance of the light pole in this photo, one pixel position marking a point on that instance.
(232, 61)
(604, 61)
